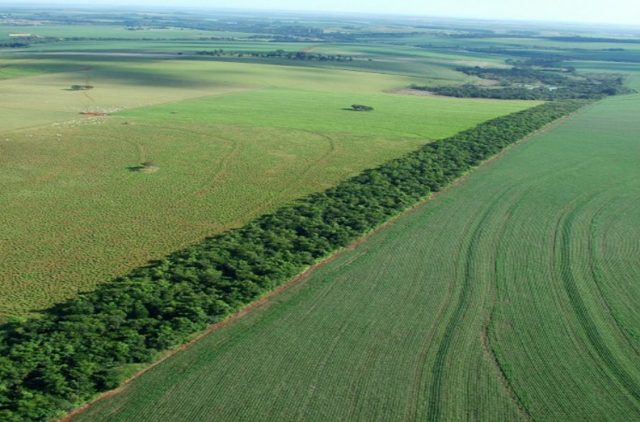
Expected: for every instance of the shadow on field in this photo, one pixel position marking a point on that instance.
(143, 77)
(146, 167)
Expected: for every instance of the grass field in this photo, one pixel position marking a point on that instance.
(510, 297)
(231, 140)
(123, 83)
(396, 116)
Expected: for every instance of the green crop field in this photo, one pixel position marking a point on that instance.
(512, 296)
(231, 141)
(161, 171)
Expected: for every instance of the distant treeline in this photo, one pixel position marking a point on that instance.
(578, 38)
(158, 39)
(77, 349)
(480, 34)
(14, 44)
(24, 42)
(522, 75)
(606, 54)
(528, 83)
(137, 20)
(514, 51)
(540, 61)
(281, 54)
(536, 35)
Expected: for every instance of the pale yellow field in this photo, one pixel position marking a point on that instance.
(231, 141)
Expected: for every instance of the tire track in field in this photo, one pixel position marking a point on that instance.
(223, 163)
(330, 349)
(323, 159)
(487, 346)
(267, 205)
(562, 241)
(140, 149)
(223, 166)
(434, 409)
(596, 274)
(320, 160)
(412, 412)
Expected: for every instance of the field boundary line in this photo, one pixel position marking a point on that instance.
(266, 299)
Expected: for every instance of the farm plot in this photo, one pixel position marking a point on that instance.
(510, 297)
(75, 210)
(121, 83)
(49, 98)
(395, 116)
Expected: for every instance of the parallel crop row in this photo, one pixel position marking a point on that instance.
(75, 350)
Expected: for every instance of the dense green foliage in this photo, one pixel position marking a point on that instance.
(590, 39)
(522, 75)
(278, 54)
(81, 87)
(76, 349)
(511, 93)
(528, 83)
(14, 44)
(361, 107)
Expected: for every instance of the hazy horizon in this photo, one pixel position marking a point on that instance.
(617, 12)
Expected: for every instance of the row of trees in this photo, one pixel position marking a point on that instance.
(14, 44)
(518, 93)
(281, 54)
(75, 350)
(360, 107)
(522, 74)
(581, 39)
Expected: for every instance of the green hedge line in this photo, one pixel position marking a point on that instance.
(594, 91)
(50, 364)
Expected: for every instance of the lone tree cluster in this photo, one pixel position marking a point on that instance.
(360, 107)
(81, 87)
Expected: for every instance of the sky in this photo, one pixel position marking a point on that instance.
(622, 12)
